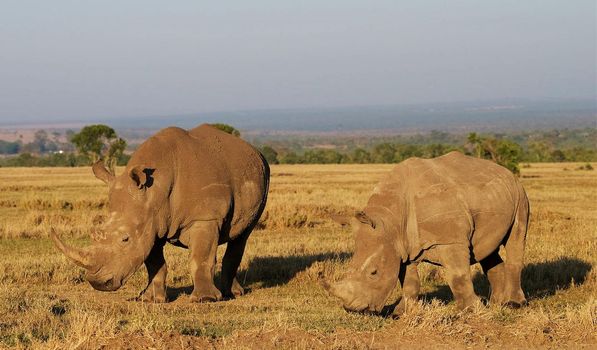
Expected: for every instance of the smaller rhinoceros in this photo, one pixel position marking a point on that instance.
(451, 211)
(195, 189)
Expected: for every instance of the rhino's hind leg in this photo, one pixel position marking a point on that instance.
(156, 270)
(493, 267)
(514, 245)
(456, 260)
(232, 258)
(203, 244)
(411, 285)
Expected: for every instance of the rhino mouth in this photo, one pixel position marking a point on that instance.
(106, 285)
(353, 301)
(362, 307)
(105, 282)
(355, 307)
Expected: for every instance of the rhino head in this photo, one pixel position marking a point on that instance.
(373, 271)
(128, 235)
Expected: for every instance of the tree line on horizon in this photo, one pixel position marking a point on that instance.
(498, 148)
(101, 141)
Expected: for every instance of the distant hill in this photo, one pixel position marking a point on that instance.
(489, 116)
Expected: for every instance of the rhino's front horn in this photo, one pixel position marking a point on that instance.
(79, 256)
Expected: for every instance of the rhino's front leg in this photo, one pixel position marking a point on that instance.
(203, 243)
(409, 280)
(456, 259)
(156, 270)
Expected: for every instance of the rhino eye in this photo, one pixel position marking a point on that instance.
(373, 272)
(125, 238)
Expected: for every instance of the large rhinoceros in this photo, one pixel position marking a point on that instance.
(451, 211)
(194, 189)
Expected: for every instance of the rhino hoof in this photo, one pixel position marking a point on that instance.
(515, 304)
(398, 312)
(206, 296)
(231, 295)
(151, 299)
(204, 299)
(237, 290)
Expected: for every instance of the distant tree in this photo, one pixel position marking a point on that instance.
(538, 152)
(115, 153)
(290, 158)
(69, 134)
(508, 154)
(99, 141)
(123, 159)
(322, 156)
(558, 156)
(68, 146)
(439, 136)
(270, 155)
(435, 150)
(50, 160)
(311, 157)
(24, 159)
(10, 147)
(501, 151)
(360, 156)
(404, 152)
(331, 156)
(383, 153)
(474, 144)
(581, 154)
(227, 128)
(41, 143)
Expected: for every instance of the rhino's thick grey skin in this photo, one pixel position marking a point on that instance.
(451, 211)
(195, 189)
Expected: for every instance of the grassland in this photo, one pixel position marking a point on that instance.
(45, 302)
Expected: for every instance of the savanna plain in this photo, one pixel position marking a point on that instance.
(46, 303)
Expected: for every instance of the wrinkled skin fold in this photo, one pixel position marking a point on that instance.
(450, 211)
(195, 189)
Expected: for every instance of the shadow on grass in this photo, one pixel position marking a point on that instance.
(539, 280)
(272, 271)
(544, 279)
(269, 271)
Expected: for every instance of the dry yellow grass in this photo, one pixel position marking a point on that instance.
(44, 301)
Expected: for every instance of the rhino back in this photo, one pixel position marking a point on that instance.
(205, 174)
(246, 170)
(455, 198)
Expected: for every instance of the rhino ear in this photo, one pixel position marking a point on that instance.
(100, 171)
(141, 176)
(364, 218)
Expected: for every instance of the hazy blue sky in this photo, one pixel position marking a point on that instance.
(87, 59)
